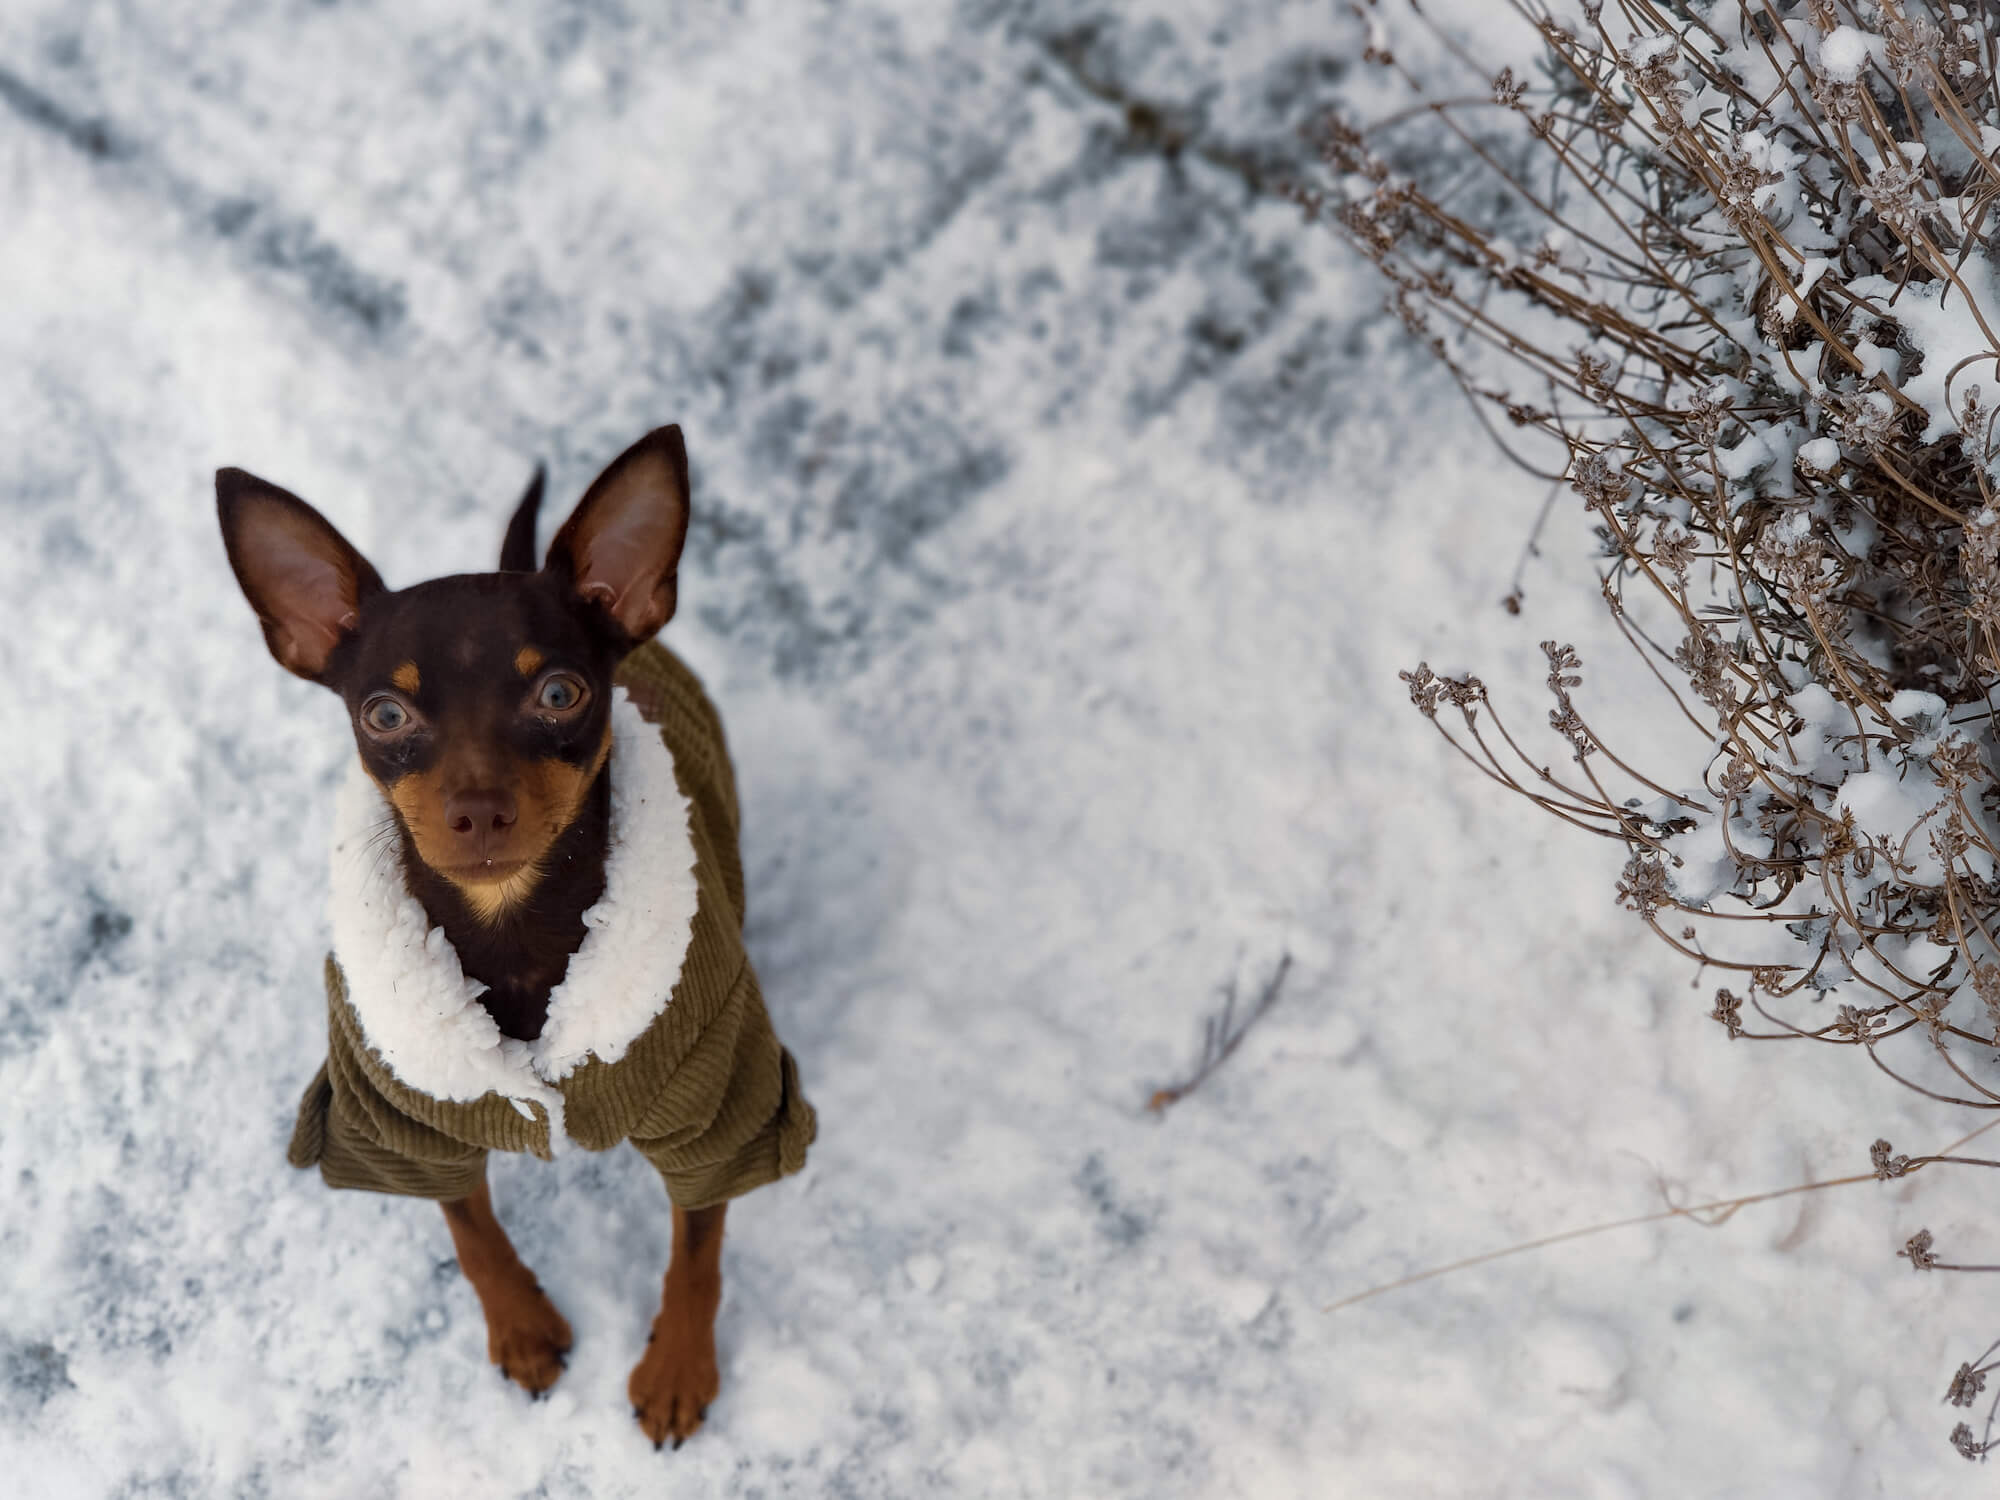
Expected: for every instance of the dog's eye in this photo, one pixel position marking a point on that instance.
(559, 693)
(385, 716)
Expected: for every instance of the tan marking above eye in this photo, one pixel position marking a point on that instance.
(528, 661)
(407, 677)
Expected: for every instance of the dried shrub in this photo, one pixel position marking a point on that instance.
(1755, 329)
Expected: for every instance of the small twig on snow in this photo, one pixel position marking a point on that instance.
(1220, 1036)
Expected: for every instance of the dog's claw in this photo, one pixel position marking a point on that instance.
(531, 1348)
(672, 1386)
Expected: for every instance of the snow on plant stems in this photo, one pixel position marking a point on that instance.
(1755, 311)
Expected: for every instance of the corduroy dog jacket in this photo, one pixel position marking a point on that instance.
(657, 1034)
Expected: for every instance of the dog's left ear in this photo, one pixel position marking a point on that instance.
(621, 548)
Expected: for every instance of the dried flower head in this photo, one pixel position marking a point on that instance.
(1743, 180)
(1565, 668)
(1653, 65)
(1912, 46)
(1931, 1011)
(1462, 692)
(1643, 885)
(1917, 1251)
(1729, 1011)
(1674, 549)
(1867, 421)
(1739, 775)
(1703, 418)
(1424, 689)
(1966, 1385)
(1853, 1025)
(1975, 420)
(1592, 477)
(1705, 661)
(1340, 145)
(1896, 193)
(1986, 985)
(1841, 103)
(1887, 1166)
(1593, 375)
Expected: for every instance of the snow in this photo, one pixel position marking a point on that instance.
(1843, 53)
(1706, 869)
(1925, 713)
(1811, 269)
(1889, 804)
(1064, 510)
(1938, 321)
(1650, 49)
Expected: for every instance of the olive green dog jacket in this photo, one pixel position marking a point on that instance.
(657, 1035)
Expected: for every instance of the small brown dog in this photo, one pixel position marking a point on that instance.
(537, 896)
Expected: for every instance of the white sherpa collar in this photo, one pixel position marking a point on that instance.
(418, 1009)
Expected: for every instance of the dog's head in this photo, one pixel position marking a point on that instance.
(481, 703)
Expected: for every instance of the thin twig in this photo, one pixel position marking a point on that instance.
(1530, 548)
(1724, 1207)
(1221, 1037)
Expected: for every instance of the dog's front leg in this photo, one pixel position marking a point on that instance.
(673, 1384)
(525, 1335)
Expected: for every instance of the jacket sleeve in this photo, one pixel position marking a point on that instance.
(359, 1139)
(731, 1116)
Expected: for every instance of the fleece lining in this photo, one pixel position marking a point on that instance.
(422, 1014)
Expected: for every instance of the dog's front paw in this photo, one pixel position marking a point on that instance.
(528, 1339)
(672, 1386)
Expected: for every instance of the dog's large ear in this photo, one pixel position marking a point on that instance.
(300, 575)
(622, 545)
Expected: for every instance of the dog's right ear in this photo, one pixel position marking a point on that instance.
(300, 575)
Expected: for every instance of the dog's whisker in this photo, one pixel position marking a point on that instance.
(383, 844)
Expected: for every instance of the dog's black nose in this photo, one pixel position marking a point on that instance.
(478, 815)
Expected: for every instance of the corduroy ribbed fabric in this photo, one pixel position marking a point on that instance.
(706, 1094)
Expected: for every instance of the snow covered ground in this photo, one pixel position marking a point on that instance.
(1064, 511)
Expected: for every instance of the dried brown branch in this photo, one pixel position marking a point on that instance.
(1709, 1215)
(1222, 1034)
(1743, 272)
(1730, 286)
